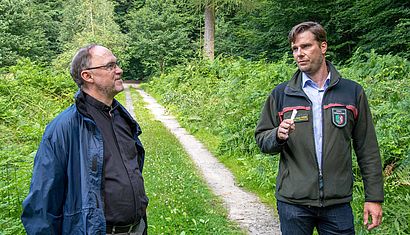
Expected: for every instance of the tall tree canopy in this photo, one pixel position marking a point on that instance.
(383, 25)
(153, 35)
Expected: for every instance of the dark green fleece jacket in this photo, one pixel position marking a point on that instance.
(347, 123)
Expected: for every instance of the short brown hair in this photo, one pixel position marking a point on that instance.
(313, 27)
(80, 61)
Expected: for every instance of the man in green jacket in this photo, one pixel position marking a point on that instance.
(313, 121)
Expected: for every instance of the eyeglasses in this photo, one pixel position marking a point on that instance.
(110, 66)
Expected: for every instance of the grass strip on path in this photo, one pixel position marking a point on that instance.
(180, 201)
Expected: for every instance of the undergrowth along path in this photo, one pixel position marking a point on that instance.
(243, 207)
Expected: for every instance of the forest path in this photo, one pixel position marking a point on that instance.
(243, 207)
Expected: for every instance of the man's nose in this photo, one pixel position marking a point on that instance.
(299, 52)
(118, 70)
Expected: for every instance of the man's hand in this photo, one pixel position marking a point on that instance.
(286, 127)
(374, 209)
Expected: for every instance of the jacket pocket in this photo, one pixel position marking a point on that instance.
(339, 188)
(280, 179)
(298, 183)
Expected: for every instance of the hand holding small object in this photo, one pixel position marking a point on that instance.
(286, 127)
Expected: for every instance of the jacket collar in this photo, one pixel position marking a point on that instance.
(81, 108)
(294, 86)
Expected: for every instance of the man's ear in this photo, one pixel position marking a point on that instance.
(87, 76)
(323, 47)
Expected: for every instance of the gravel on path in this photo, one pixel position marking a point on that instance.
(243, 207)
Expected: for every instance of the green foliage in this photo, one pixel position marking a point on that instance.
(222, 96)
(180, 202)
(386, 80)
(159, 37)
(262, 33)
(30, 96)
(86, 22)
(122, 8)
(232, 32)
(27, 29)
(224, 99)
(382, 25)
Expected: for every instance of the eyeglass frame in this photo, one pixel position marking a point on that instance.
(109, 66)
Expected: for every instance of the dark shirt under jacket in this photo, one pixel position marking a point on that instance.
(124, 193)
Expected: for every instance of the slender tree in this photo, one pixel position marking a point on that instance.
(210, 8)
(209, 33)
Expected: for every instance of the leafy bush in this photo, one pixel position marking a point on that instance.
(224, 99)
(386, 80)
(30, 96)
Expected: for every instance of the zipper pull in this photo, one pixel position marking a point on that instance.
(94, 164)
(321, 192)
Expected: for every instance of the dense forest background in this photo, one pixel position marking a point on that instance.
(151, 36)
(212, 63)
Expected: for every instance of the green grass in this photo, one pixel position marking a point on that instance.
(180, 201)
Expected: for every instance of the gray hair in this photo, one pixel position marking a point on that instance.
(80, 62)
(315, 28)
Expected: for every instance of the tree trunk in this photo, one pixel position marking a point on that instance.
(209, 34)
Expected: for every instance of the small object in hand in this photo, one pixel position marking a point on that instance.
(294, 112)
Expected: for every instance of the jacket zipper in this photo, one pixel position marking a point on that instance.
(321, 193)
(321, 182)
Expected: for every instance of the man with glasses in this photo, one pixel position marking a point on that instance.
(87, 176)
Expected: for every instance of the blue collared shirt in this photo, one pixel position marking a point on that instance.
(315, 95)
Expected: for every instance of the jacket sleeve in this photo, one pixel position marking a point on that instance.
(367, 152)
(265, 133)
(43, 207)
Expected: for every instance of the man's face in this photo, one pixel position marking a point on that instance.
(107, 80)
(308, 53)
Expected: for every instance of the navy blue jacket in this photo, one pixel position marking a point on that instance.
(66, 194)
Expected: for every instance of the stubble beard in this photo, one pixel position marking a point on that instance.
(312, 67)
(111, 92)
